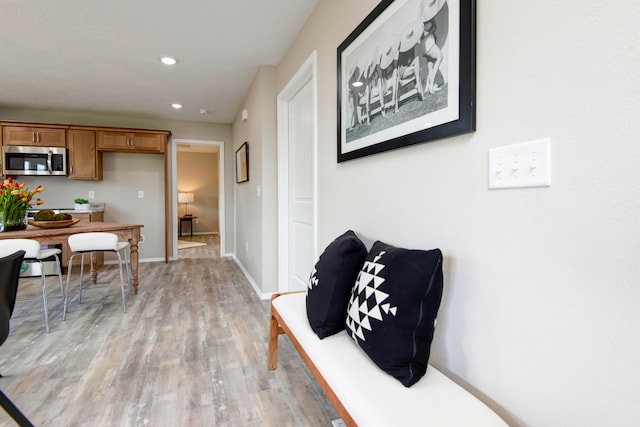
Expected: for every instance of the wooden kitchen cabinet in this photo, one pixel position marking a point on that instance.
(36, 136)
(89, 216)
(136, 142)
(85, 162)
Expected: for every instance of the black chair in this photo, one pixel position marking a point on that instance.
(9, 276)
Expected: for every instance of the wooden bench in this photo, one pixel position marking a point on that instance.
(361, 393)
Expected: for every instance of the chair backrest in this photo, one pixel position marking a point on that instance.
(96, 241)
(30, 246)
(9, 277)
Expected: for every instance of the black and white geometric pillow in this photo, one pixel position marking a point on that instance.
(393, 308)
(331, 281)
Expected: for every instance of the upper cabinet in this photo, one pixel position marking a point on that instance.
(85, 163)
(85, 144)
(137, 142)
(38, 136)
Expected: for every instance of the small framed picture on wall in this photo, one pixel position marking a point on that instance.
(242, 163)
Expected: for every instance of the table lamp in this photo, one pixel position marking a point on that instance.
(185, 198)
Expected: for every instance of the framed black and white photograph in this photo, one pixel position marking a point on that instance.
(242, 163)
(406, 75)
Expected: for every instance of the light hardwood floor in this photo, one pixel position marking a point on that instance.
(190, 351)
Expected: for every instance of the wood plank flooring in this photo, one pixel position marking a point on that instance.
(190, 351)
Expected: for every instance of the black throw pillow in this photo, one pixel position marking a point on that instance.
(393, 307)
(331, 282)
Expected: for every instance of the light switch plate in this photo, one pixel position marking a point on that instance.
(521, 165)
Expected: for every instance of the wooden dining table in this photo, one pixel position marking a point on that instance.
(59, 236)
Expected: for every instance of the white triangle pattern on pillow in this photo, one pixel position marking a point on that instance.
(366, 293)
(313, 280)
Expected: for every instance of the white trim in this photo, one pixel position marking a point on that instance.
(252, 282)
(174, 189)
(307, 72)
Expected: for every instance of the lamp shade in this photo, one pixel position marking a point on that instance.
(185, 197)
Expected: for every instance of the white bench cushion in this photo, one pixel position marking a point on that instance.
(374, 398)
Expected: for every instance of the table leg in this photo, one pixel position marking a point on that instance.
(94, 269)
(134, 267)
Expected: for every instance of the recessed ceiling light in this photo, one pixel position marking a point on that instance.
(176, 106)
(167, 60)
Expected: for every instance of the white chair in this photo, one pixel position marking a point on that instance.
(85, 243)
(34, 254)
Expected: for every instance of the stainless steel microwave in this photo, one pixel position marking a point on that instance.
(27, 160)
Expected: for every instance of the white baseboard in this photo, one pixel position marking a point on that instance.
(253, 283)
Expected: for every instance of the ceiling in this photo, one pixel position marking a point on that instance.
(103, 56)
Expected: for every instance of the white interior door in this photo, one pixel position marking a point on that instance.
(301, 188)
(297, 182)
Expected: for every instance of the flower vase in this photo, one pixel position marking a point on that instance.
(13, 220)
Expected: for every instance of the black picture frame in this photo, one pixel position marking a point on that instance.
(242, 163)
(382, 55)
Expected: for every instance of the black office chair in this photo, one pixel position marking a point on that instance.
(9, 276)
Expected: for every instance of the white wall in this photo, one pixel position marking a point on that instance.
(540, 315)
(256, 200)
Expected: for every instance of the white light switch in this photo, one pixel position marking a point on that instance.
(521, 165)
(140, 194)
(258, 191)
(92, 195)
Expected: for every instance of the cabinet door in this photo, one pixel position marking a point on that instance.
(46, 137)
(83, 217)
(118, 141)
(18, 135)
(84, 160)
(43, 137)
(149, 142)
(131, 142)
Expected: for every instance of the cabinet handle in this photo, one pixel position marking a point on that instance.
(33, 136)
(37, 136)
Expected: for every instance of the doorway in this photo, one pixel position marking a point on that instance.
(297, 178)
(198, 175)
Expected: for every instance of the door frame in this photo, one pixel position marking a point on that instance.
(305, 74)
(174, 190)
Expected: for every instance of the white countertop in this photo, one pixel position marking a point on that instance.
(71, 211)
